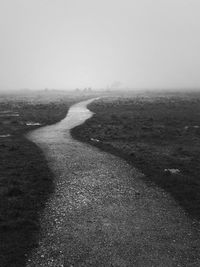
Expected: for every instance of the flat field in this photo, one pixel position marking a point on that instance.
(25, 179)
(159, 133)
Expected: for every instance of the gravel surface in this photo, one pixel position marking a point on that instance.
(102, 214)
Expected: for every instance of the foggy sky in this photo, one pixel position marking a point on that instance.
(78, 43)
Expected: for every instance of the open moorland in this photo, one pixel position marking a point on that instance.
(25, 179)
(159, 133)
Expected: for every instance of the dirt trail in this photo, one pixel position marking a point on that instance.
(101, 213)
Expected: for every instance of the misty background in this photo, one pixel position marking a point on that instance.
(77, 43)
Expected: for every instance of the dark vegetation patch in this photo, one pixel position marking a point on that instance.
(155, 133)
(25, 179)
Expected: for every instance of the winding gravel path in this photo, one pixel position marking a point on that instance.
(101, 213)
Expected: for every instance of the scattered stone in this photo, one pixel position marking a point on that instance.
(30, 123)
(172, 171)
(5, 111)
(8, 114)
(4, 135)
(94, 140)
(190, 127)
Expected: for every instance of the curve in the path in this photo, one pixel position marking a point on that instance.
(101, 213)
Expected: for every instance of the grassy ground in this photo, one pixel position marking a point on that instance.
(153, 132)
(25, 179)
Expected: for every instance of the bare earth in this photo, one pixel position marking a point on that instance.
(101, 213)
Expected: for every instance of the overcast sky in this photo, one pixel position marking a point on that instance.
(78, 43)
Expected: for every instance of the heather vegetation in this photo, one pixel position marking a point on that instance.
(158, 133)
